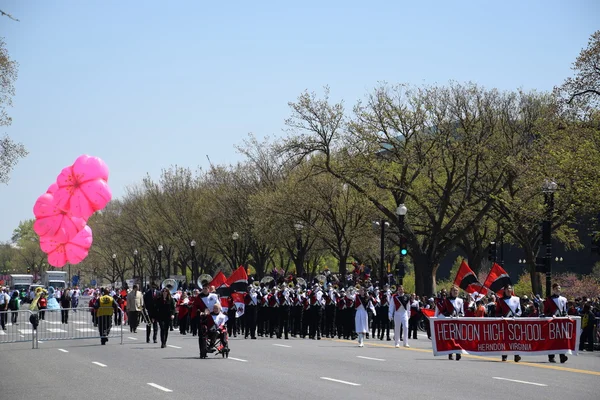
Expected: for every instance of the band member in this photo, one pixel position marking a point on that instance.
(205, 303)
(509, 306)
(183, 308)
(450, 307)
(283, 298)
(415, 315)
(251, 301)
(150, 298)
(315, 312)
(384, 301)
(273, 312)
(399, 312)
(556, 306)
(329, 319)
(362, 302)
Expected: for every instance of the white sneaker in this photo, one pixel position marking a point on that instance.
(406, 345)
(397, 346)
(360, 345)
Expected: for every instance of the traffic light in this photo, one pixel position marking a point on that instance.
(492, 252)
(403, 247)
(28, 270)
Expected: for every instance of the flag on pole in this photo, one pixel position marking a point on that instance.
(497, 279)
(238, 300)
(467, 280)
(238, 281)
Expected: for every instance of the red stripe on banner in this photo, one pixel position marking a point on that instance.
(500, 336)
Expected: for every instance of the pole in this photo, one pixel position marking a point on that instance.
(160, 270)
(382, 251)
(401, 262)
(70, 279)
(113, 272)
(502, 249)
(194, 265)
(234, 259)
(547, 239)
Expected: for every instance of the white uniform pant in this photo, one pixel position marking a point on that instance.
(401, 320)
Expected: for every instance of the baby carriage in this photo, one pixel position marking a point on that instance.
(212, 338)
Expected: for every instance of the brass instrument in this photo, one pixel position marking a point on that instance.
(268, 281)
(291, 285)
(321, 279)
(203, 280)
(256, 284)
(170, 284)
(393, 288)
(301, 282)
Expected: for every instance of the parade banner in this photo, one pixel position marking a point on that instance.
(505, 336)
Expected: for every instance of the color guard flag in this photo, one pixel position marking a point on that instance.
(497, 279)
(238, 281)
(238, 300)
(218, 280)
(467, 280)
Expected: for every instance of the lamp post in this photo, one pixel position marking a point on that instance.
(135, 267)
(548, 188)
(300, 256)
(160, 270)
(382, 224)
(114, 265)
(194, 269)
(401, 212)
(235, 236)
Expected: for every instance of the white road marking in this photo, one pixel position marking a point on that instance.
(339, 381)
(98, 364)
(281, 345)
(22, 335)
(26, 331)
(237, 359)
(164, 389)
(371, 358)
(63, 350)
(56, 330)
(132, 338)
(515, 380)
(175, 347)
(87, 330)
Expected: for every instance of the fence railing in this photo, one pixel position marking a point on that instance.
(61, 324)
(15, 326)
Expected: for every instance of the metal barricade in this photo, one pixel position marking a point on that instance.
(15, 327)
(72, 324)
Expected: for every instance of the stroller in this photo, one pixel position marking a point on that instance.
(212, 339)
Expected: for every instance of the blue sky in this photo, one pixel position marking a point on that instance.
(149, 84)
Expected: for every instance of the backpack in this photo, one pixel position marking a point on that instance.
(13, 303)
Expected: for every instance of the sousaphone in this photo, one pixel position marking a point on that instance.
(301, 282)
(267, 281)
(321, 279)
(204, 280)
(170, 284)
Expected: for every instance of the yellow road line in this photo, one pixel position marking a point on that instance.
(545, 366)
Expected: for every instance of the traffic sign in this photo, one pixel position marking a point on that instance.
(75, 280)
(93, 282)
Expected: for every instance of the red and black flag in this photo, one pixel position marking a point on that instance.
(220, 284)
(497, 279)
(467, 280)
(238, 281)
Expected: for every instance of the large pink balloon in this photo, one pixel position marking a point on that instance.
(50, 219)
(83, 188)
(60, 250)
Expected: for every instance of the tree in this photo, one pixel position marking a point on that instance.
(10, 151)
(585, 85)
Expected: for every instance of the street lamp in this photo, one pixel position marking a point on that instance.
(382, 224)
(160, 270)
(401, 212)
(114, 258)
(300, 256)
(135, 267)
(235, 236)
(548, 188)
(194, 266)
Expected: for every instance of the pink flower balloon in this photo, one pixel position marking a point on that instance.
(82, 187)
(62, 250)
(50, 219)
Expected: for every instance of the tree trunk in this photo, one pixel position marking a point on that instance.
(425, 271)
(342, 267)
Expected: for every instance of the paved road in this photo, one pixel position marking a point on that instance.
(279, 369)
